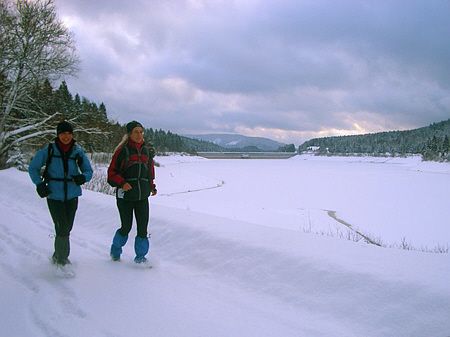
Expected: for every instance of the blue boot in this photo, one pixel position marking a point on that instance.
(116, 248)
(141, 246)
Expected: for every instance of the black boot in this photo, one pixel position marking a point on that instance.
(62, 250)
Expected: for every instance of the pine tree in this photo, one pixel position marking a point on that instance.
(434, 146)
(17, 158)
(77, 105)
(445, 145)
(102, 112)
(64, 101)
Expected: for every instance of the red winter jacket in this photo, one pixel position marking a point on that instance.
(138, 171)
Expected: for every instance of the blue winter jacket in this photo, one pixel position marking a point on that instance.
(56, 182)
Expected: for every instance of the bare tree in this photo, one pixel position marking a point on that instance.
(34, 46)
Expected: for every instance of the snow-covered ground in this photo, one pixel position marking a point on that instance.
(387, 198)
(235, 253)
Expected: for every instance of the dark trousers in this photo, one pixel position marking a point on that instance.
(141, 212)
(63, 215)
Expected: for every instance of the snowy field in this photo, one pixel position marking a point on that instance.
(390, 199)
(241, 248)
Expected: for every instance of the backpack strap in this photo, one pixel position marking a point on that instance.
(150, 151)
(50, 154)
(47, 163)
(146, 152)
(79, 160)
(126, 160)
(124, 163)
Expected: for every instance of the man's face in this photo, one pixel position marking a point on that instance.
(137, 135)
(65, 137)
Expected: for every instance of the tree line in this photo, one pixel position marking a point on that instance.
(89, 115)
(36, 51)
(432, 142)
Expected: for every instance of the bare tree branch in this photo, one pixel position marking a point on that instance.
(34, 46)
(26, 128)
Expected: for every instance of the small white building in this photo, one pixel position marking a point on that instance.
(313, 149)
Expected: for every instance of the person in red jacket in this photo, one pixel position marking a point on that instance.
(132, 172)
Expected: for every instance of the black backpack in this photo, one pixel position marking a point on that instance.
(149, 151)
(78, 159)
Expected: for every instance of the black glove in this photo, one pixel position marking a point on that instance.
(79, 179)
(43, 190)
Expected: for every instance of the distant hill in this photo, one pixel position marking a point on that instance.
(431, 141)
(197, 145)
(167, 141)
(240, 142)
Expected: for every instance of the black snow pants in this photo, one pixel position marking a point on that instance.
(141, 212)
(63, 215)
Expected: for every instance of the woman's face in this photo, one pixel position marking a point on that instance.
(65, 137)
(137, 135)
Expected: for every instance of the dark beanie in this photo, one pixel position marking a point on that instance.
(132, 125)
(64, 127)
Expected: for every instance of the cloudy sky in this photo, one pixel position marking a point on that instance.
(286, 70)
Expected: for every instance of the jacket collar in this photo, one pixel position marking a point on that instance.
(135, 145)
(64, 148)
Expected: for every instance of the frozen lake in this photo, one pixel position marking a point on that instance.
(388, 199)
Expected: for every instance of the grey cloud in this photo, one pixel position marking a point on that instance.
(293, 65)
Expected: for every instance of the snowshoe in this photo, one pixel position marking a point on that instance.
(115, 257)
(140, 259)
(58, 262)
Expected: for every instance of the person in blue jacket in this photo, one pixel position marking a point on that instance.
(60, 184)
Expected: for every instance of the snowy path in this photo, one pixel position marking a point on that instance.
(213, 277)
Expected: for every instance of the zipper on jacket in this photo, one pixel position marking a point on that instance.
(65, 169)
(139, 173)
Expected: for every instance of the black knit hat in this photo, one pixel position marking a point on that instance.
(64, 127)
(132, 125)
